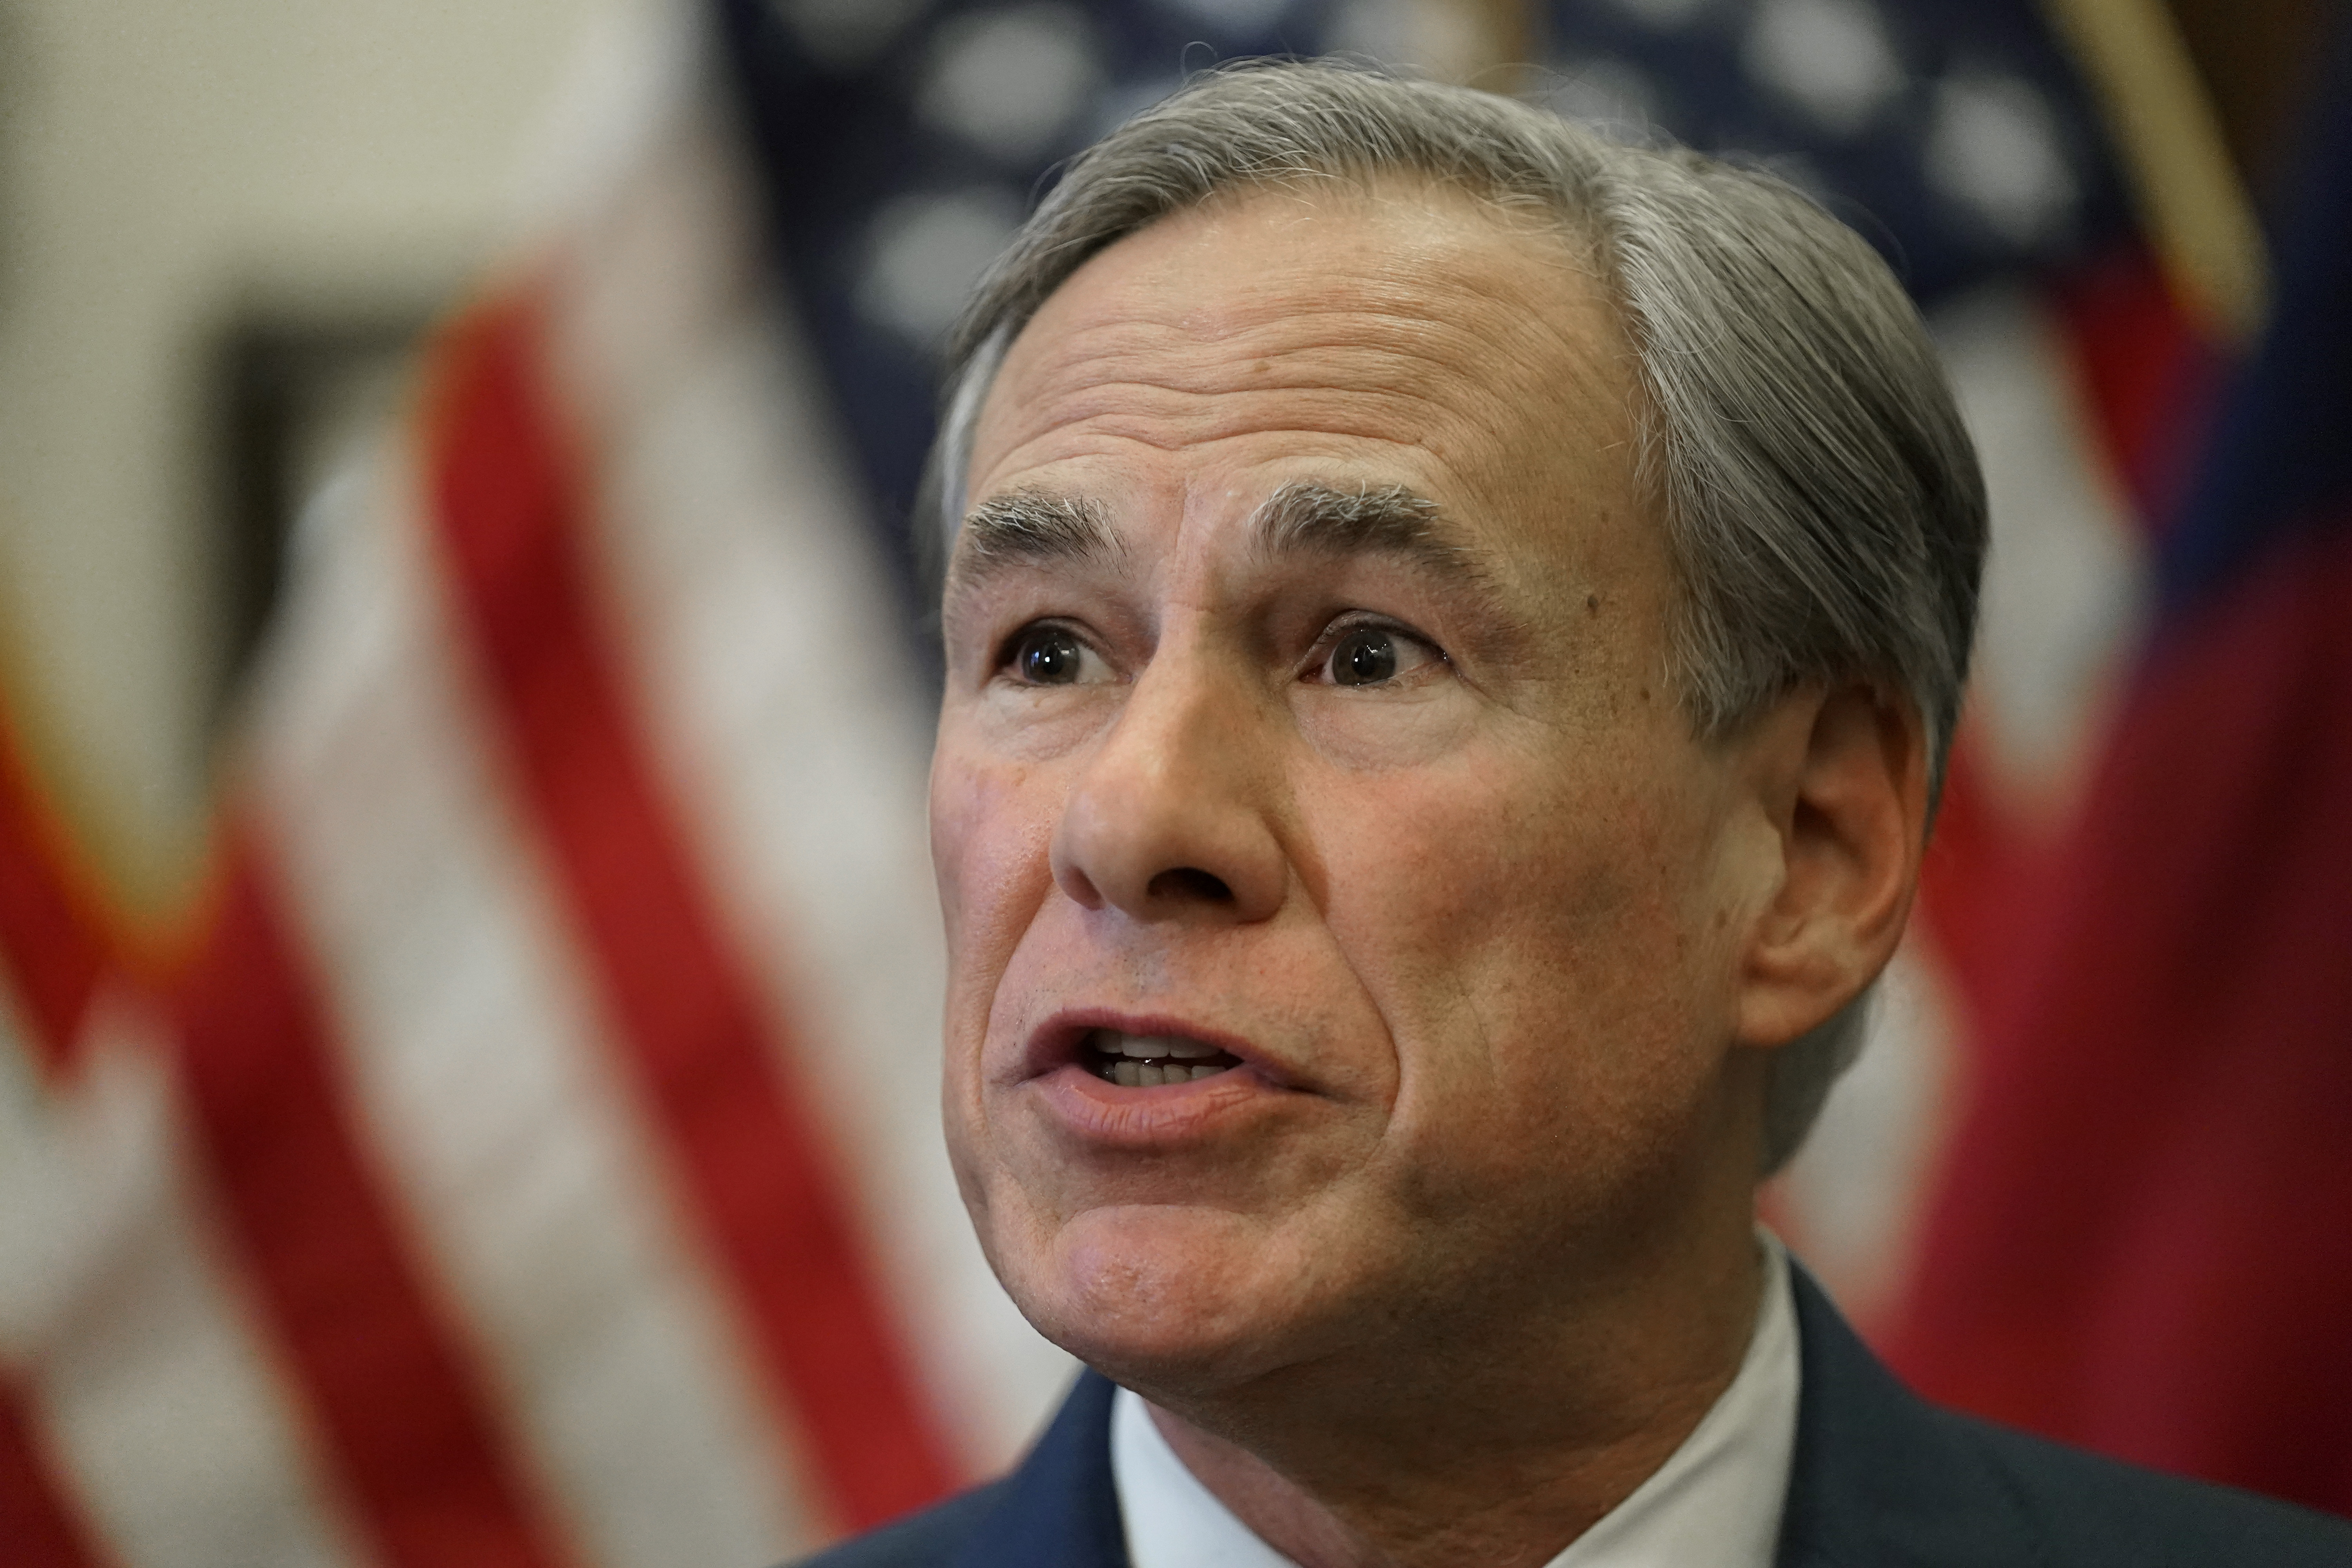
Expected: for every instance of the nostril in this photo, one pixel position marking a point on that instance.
(1188, 884)
(1080, 887)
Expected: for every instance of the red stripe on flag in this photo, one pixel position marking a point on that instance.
(56, 949)
(2145, 377)
(511, 516)
(1976, 862)
(36, 1527)
(404, 1416)
(53, 940)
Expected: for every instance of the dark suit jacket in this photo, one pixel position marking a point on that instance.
(1880, 1478)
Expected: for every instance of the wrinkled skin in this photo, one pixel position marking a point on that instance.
(1500, 946)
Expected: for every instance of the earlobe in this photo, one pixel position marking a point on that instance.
(1843, 772)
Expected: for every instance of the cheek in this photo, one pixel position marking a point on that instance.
(992, 837)
(1535, 944)
(1519, 867)
(991, 829)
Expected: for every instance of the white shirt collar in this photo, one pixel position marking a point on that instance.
(1714, 1503)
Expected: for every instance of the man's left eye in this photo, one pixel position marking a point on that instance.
(1053, 656)
(1372, 655)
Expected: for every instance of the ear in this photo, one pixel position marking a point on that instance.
(1843, 776)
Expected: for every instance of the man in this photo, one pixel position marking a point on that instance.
(1452, 627)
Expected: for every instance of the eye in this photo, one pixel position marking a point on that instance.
(1049, 655)
(1372, 655)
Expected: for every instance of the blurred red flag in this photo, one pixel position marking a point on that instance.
(2142, 1239)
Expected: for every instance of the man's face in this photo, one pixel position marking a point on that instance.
(1307, 720)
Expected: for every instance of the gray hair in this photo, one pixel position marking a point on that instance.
(1823, 502)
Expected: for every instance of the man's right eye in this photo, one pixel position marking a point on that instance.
(1051, 655)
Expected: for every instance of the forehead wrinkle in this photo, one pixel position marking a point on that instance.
(1455, 304)
(1344, 351)
(1365, 372)
(1381, 396)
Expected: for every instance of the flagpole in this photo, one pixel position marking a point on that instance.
(2170, 139)
(1493, 44)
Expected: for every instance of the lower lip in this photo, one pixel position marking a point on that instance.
(1101, 1111)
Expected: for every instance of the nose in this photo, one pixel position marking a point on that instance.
(1169, 818)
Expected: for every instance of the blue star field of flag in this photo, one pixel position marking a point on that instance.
(1952, 132)
(900, 141)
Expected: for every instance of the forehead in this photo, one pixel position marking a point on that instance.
(1402, 328)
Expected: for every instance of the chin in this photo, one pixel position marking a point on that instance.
(1170, 1300)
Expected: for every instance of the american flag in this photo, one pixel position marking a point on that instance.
(526, 1153)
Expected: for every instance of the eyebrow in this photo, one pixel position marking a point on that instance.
(1036, 527)
(1032, 528)
(1305, 518)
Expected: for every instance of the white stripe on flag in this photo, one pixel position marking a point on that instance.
(2065, 587)
(127, 1325)
(482, 1068)
(769, 667)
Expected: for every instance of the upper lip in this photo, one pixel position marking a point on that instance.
(1055, 1043)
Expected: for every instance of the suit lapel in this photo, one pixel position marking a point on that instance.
(1880, 1478)
(1060, 1509)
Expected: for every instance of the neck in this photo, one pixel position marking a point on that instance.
(1504, 1453)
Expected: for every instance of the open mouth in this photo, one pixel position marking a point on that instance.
(1149, 1061)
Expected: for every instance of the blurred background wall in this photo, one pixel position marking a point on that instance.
(212, 218)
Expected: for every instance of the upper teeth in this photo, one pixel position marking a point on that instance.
(1110, 1042)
